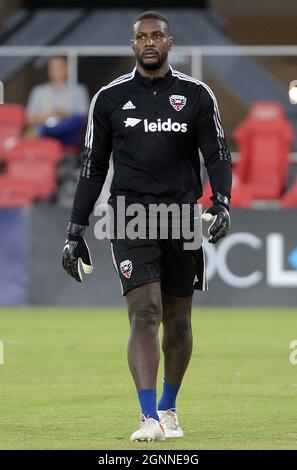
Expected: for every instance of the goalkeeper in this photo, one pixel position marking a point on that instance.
(154, 119)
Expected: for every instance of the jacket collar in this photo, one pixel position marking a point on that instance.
(160, 82)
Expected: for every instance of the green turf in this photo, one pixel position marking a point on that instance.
(65, 382)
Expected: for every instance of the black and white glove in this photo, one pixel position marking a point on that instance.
(76, 254)
(219, 215)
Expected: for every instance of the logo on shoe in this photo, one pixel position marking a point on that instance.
(126, 268)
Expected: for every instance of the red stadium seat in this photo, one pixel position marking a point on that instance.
(36, 150)
(41, 173)
(12, 119)
(264, 139)
(9, 200)
(16, 191)
(290, 198)
(239, 198)
(71, 149)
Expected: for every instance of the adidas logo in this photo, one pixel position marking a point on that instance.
(129, 105)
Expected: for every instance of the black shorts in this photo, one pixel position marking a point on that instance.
(139, 262)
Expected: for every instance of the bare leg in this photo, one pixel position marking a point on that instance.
(145, 314)
(177, 336)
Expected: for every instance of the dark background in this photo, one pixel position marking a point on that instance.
(150, 5)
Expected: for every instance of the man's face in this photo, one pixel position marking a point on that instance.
(151, 43)
(57, 69)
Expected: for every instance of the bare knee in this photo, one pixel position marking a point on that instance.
(145, 319)
(178, 326)
(145, 311)
(177, 316)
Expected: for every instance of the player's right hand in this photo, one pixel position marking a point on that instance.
(76, 254)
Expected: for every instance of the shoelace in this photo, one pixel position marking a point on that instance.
(143, 420)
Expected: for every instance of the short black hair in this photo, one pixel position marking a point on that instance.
(152, 14)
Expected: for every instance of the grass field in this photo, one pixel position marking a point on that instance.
(65, 382)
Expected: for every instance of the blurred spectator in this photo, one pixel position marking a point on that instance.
(57, 109)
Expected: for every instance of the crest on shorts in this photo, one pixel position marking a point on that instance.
(177, 101)
(126, 268)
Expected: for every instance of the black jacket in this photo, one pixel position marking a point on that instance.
(154, 128)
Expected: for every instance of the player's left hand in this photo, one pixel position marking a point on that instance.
(219, 215)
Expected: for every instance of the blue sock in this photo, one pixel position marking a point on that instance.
(148, 403)
(167, 401)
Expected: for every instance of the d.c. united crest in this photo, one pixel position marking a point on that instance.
(177, 101)
(126, 268)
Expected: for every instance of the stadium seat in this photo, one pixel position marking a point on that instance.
(289, 199)
(15, 191)
(36, 149)
(41, 173)
(71, 149)
(10, 200)
(264, 139)
(239, 198)
(12, 118)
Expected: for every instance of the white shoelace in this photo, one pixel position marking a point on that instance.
(144, 419)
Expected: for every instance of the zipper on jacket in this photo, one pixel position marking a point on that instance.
(155, 103)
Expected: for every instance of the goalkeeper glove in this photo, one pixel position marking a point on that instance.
(218, 214)
(76, 253)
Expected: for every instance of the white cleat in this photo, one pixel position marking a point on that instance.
(169, 421)
(150, 430)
